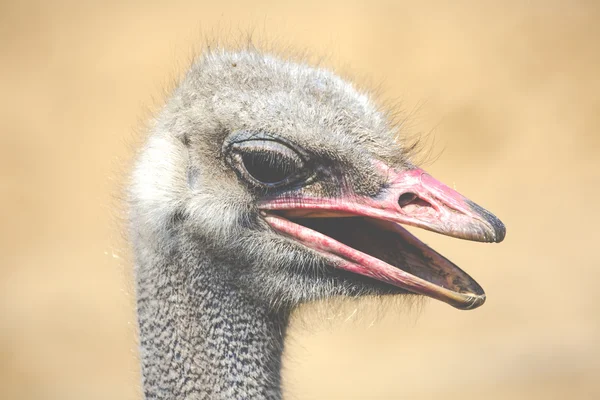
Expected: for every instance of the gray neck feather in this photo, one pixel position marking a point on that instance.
(201, 337)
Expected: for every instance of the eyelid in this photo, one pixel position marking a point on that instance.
(268, 145)
(244, 136)
(285, 154)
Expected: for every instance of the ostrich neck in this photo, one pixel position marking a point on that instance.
(200, 337)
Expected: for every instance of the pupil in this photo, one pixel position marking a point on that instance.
(266, 168)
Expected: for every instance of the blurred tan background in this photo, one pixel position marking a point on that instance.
(509, 90)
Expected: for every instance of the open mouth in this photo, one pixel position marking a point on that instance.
(364, 236)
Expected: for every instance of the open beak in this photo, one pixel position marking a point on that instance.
(364, 235)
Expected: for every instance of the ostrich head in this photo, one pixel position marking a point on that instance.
(294, 180)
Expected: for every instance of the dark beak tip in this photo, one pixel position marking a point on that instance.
(497, 227)
(499, 230)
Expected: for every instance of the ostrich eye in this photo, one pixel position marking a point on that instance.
(267, 162)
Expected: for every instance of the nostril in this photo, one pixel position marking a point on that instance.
(410, 202)
(406, 198)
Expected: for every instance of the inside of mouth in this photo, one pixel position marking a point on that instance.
(394, 248)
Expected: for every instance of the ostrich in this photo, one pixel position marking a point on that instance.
(265, 184)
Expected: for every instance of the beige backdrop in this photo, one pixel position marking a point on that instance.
(510, 92)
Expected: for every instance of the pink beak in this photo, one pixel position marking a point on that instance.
(412, 197)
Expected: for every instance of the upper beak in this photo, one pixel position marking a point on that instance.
(412, 197)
